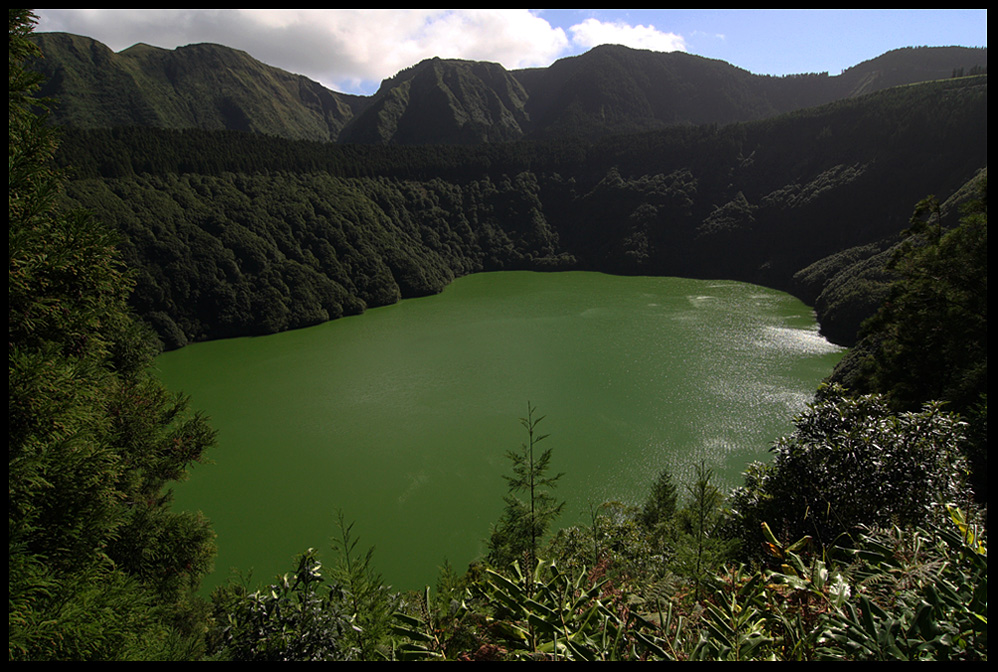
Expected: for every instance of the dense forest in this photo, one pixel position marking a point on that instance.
(233, 233)
(863, 538)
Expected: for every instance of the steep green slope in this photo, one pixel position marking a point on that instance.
(614, 89)
(909, 65)
(311, 227)
(447, 102)
(611, 89)
(197, 86)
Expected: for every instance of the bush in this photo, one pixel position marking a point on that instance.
(851, 462)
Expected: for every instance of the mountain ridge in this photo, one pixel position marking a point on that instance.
(610, 89)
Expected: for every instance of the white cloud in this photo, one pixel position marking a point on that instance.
(592, 32)
(710, 36)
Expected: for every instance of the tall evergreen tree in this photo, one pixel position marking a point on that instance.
(99, 567)
(662, 502)
(700, 541)
(526, 520)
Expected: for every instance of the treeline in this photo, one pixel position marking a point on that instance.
(233, 233)
(255, 254)
(953, 111)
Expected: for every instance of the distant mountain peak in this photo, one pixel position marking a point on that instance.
(609, 89)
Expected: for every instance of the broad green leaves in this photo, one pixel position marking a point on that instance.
(296, 618)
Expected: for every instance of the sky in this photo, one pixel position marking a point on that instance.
(351, 51)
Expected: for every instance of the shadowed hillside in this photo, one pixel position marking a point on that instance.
(197, 86)
(610, 89)
(233, 233)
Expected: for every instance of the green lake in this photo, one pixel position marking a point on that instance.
(401, 417)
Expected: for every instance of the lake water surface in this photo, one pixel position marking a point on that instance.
(402, 417)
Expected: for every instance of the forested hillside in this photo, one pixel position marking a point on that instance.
(609, 90)
(239, 234)
(199, 86)
(807, 201)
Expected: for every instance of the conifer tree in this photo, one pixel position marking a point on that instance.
(700, 542)
(525, 521)
(98, 567)
(364, 595)
(662, 502)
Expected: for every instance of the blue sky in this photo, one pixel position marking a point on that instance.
(353, 50)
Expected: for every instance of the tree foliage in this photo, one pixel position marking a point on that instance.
(235, 233)
(698, 530)
(99, 567)
(230, 234)
(525, 521)
(309, 614)
(854, 461)
(366, 598)
(929, 340)
(300, 617)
